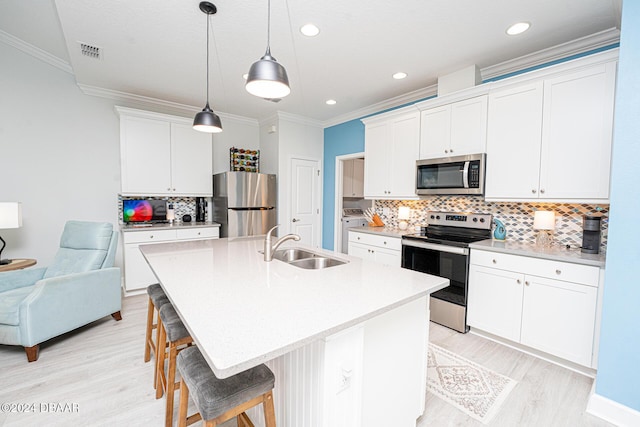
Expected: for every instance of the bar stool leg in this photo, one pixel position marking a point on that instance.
(147, 339)
(161, 345)
(269, 410)
(171, 381)
(184, 404)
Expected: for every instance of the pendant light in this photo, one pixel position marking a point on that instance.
(267, 78)
(206, 120)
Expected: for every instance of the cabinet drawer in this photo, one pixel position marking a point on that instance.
(569, 272)
(198, 233)
(149, 236)
(393, 243)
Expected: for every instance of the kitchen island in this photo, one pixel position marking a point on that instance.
(348, 343)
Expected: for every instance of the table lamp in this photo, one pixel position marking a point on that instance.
(10, 217)
(403, 214)
(544, 221)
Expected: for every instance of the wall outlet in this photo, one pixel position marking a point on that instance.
(344, 380)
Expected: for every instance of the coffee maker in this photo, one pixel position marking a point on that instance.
(201, 209)
(591, 233)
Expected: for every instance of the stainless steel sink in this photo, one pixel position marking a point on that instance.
(292, 254)
(305, 259)
(317, 262)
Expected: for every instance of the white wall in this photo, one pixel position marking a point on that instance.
(236, 132)
(59, 154)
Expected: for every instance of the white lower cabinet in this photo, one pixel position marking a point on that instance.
(137, 274)
(547, 305)
(381, 249)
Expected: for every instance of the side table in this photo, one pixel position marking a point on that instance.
(17, 264)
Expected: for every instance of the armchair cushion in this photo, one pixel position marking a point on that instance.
(83, 247)
(10, 305)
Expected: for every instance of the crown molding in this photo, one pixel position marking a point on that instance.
(147, 102)
(36, 52)
(407, 98)
(299, 119)
(565, 50)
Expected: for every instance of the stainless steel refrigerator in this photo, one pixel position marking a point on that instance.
(244, 203)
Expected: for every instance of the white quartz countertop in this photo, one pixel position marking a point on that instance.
(243, 311)
(166, 226)
(382, 231)
(555, 253)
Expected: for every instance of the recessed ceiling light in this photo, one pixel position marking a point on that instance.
(330, 102)
(518, 28)
(310, 30)
(399, 76)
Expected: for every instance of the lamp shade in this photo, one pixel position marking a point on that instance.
(207, 121)
(404, 212)
(544, 220)
(10, 215)
(267, 78)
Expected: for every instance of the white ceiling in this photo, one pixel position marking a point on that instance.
(157, 48)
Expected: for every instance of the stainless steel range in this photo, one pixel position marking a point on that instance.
(442, 249)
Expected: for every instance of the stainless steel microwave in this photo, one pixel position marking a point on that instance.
(451, 175)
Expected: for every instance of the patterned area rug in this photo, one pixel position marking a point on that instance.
(475, 390)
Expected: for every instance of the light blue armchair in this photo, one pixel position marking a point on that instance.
(79, 287)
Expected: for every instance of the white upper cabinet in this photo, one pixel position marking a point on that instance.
(353, 178)
(577, 134)
(551, 139)
(454, 129)
(391, 151)
(513, 143)
(163, 155)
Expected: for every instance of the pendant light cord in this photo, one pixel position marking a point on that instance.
(208, 19)
(268, 24)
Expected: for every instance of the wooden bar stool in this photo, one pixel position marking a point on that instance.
(220, 400)
(174, 336)
(157, 298)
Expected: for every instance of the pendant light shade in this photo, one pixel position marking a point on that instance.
(267, 78)
(206, 120)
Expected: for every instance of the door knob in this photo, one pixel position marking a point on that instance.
(295, 220)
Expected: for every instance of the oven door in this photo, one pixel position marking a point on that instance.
(440, 260)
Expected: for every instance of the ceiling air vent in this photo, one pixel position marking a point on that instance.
(90, 51)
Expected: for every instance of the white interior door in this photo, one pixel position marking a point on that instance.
(305, 192)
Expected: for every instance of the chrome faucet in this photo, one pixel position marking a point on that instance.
(270, 249)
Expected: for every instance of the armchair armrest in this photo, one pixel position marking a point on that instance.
(20, 278)
(61, 304)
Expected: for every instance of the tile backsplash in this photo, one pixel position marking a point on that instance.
(516, 216)
(181, 205)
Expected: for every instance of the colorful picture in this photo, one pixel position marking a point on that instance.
(136, 211)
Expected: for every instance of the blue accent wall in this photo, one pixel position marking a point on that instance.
(345, 138)
(618, 376)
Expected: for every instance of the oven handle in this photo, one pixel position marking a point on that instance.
(436, 247)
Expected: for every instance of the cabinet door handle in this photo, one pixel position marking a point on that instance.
(451, 150)
(526, 283)
(151, 237)
(358, 238)
(385, 242)
(518, 281)
(558, 272)
(542, 191)
(169, 189)
(494, 261)
(533, 191)
(446, 151)
(295, 220)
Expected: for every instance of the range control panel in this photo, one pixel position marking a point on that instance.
(460, 219)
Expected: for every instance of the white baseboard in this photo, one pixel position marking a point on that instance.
(611, 411)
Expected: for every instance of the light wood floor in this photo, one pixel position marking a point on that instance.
(98, 370)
